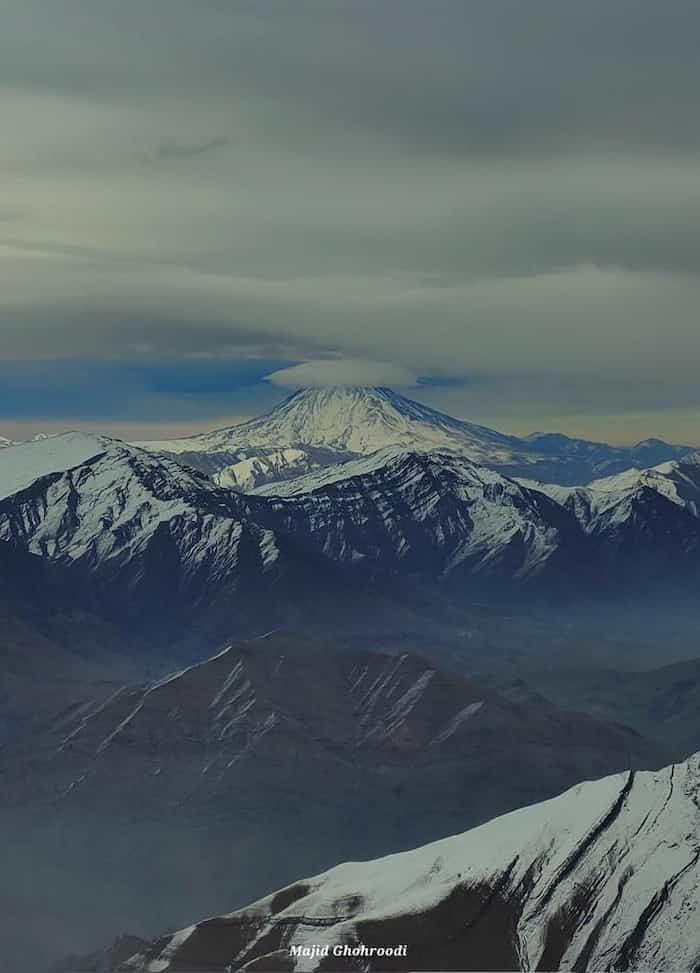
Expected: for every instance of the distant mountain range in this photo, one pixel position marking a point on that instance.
(662, 704)
(314, 428)
(157, 542)
(4, 441)
(603, 877)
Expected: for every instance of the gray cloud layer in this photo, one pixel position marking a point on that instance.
(494, 189)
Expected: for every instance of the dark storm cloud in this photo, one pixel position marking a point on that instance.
(481, 76)
(489, 188)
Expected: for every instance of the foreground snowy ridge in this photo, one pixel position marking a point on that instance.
(603, 877)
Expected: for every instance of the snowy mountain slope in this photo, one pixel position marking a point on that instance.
(253, 471)
(22, 463)
(430, 513)
(151, 543)
(142, 526)
(4, 442)
(134, 524)
(352, 421)
(134, 515)
(640, 520)
(311, 480)
(678, 481)
(643, 521)
(603, 877)
(110, 504)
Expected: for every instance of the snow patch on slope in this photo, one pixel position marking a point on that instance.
(610, 500)
(22, 463)
(114, 503)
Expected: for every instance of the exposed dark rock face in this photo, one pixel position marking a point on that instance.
(282, 709)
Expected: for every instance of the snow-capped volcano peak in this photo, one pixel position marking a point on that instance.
(319, 427)
(351, 421)
(361, 419)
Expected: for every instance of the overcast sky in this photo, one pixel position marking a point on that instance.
(494, 204)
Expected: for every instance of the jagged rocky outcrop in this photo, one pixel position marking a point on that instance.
(604, 877)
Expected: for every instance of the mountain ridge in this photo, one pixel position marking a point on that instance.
(142, 527)
(602, 877)
(351, 421)
(278, 755)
